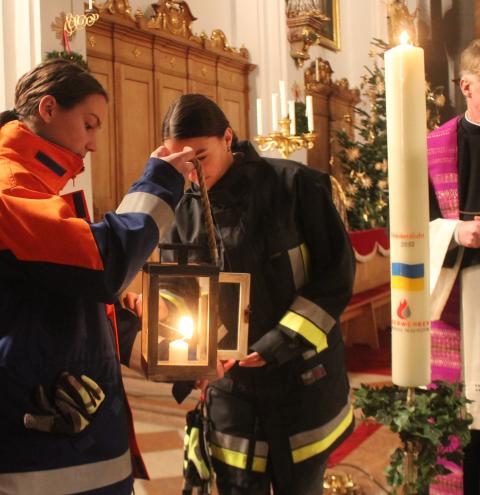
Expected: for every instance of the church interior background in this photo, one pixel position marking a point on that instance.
(321, 56)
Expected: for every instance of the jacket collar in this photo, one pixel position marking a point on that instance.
(52, 164)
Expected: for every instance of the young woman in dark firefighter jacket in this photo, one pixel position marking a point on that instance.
(64, 421)
(276, 415)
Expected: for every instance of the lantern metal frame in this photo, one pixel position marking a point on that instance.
(243, 281)
(163, 370)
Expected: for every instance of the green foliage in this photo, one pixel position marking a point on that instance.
(74, 57)
(301, 123)
(434, 424)
(364, 156)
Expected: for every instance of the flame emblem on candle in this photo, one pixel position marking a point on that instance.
(403, 310)
(404, 38)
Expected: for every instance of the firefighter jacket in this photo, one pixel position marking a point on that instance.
(275, 220)
(57, 272)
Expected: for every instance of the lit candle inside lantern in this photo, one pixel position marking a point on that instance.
(283, 100)
(178, 349)
(275, 112)
(309, 112)
(291, 116)
(409, 213)
(259, 117)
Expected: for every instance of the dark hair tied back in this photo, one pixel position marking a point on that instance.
(66, 81)
(194, 115)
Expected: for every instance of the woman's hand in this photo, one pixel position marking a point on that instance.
(133, 302)
(179, 161)
(253, 360)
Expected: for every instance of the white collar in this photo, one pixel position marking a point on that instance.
(471, 121)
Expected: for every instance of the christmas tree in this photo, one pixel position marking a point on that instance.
(363, 157)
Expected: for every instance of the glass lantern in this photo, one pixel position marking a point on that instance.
(179, 328)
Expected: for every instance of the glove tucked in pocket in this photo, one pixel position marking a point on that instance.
(75, 402)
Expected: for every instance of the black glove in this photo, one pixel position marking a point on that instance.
(75, 402)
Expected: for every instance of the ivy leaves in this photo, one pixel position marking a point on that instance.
(434, 425)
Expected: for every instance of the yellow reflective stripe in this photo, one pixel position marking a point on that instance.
(259, 464)
(194, 454)
(306, 329)
(317, 315)
(237, 459)
(306, 260)
(316, 448)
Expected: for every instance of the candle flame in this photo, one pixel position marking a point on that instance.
(404, 38)
(185, 327)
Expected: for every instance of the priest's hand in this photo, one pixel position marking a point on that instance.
(468, 233)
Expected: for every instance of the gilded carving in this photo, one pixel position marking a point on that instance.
(136, 52)
(173, 16)
(115, 7)
(92, 41)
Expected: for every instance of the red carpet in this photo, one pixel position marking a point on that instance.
(364, 359)
(361, 433)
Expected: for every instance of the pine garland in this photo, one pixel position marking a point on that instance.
(74, 57)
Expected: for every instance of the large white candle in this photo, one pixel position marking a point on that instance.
(409, 214)
(275, 112)
(283, 99)
(90, 4)
(178, 351)
(259, 117)
(291, 116)
(309, 112)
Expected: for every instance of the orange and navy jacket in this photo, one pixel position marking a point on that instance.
(57, 273)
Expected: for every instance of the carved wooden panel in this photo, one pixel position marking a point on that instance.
(233, 105)
(168, 89)
(146, 64)
(104, 174)
(135, 121)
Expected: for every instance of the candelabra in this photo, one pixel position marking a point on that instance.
(285, 142)
(74, 22)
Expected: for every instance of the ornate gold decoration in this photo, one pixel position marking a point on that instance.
(173, 16)
(400, 19)
(92, 41)
(284, 142)
(74, 22)
(339, 483)
(203, 71)
(312, 22)
(136, 52)
(172, 62)
(115, 7)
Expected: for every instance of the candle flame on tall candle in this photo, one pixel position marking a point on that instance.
(404, 38)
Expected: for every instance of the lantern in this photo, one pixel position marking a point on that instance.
(179, 329)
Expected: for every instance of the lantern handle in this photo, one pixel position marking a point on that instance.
(209, 225)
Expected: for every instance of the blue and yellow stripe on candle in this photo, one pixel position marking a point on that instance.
(408, 277)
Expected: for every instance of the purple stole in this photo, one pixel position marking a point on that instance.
(446, 357)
